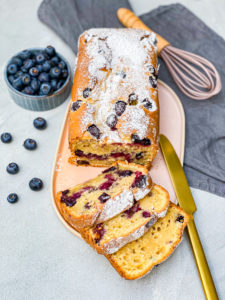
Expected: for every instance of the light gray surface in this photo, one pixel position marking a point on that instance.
(40, 259)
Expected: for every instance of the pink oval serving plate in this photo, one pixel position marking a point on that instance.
(172, 125)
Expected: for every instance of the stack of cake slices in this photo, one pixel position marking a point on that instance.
(126, 217)
(114, 123)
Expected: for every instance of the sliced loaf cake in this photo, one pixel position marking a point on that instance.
(139, 257)
(105, 196)
(109, 236)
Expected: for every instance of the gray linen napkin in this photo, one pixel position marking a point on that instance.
(204, 160)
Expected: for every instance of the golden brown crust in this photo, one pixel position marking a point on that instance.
(124, 274)
(102, 249)
(85, 79)
(86, 220)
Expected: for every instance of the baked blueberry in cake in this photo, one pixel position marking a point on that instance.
(114, 112)
(109, 236)
(105, 196)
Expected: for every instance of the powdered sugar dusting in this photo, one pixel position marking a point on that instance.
(115, 244)
(116, 205)
(119, 63)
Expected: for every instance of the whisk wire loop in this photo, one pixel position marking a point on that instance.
(195, 76)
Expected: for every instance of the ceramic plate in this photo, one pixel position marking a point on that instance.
(172, 125)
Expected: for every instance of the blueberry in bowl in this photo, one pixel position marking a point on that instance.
(38, 79)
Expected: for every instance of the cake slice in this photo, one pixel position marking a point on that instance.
(105, 196)
(109, 236)
(115, 111)
(139, 257)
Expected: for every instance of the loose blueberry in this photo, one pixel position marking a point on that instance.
(12, 69)
(54, 83)
(36, 184)
(103, 197)
(45, 88)
(64, 73)
(28, 64)
(86, 92)
(147, 104)
(133, 99)
(62, 64)
(94, 131)
(6, 137)
(18, 61)
(76, 105)
(40, 123)
(55, 60)
(55, 72)
(46, 66)
(120, 107)
(44, 77)
(50, 50)
(18, 84)
(12, 198)
(153, 82)
(26, 79)
(30, 144)
(40, 58)
(34, 72)
(35, 84)
(112, 121)
(28, 90)
(25, 54)
(12, 168)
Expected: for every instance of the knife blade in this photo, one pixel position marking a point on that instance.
(186, 201)
(180, 184)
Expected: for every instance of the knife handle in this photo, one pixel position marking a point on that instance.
(201, 262)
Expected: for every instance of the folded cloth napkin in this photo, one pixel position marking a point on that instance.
(204, 160)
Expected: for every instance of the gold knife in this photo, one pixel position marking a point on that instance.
(186, 201)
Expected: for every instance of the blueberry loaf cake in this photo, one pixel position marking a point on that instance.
(105, 196)
(109, 236)
(114, 112)
(139, 257)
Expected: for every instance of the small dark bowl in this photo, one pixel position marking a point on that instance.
(40, 103)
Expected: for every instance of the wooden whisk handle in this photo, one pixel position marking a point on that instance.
(130, 20)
